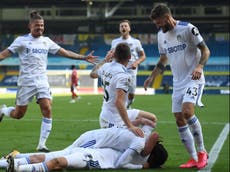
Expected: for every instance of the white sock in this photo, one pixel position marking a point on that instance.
(6, 111)
(188, 141)
(38, 167)
(195, 127)
(21, 161)
(46, 127)
(3, 163)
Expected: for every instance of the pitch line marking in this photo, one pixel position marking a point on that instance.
(216, 148)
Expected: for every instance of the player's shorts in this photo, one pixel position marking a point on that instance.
(92, 158)
(132, 114)
(25, 94)
(134, 84)
(192, 94)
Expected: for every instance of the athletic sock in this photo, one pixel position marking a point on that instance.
(3, 163)
(21, 161)
(46, 127)
(188, 141)
(38, 167)
(195, 127)
(6, 111)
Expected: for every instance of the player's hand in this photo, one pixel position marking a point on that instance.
(109, 56)
(134, 65)
(145, 165)
(137, 131)
(196, 74)
(147, 82)
(91, 59)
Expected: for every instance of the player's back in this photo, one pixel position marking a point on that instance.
(117, 138)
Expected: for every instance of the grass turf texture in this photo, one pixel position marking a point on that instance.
(70, 120)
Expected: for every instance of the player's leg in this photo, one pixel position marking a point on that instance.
(73, 94)
(24, 96)
(192, 97)
(131, 93)
(183, 129)
(46, 125)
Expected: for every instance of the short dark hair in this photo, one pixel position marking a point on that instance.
(158, 156)
(34, 15)
(127, 21)
(122, 52)
(159, 11)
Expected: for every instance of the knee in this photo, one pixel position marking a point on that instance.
(187, 113)
(57, 163)
(46, 111)
(180, 121)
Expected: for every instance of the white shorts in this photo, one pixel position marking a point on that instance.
(103, 158)
(132, 114)
(192, 94)
(95, 158)
(25, 94)
(134, 82)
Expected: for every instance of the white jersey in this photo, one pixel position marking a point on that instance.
(113, 76)
(33, 54)
(119, 139)
(135, 48)
(180, 47)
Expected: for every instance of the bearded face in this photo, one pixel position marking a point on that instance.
(37, 27)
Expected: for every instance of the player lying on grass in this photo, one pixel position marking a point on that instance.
(135, 152)
(91, 158)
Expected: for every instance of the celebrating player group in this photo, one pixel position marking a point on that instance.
(127, 138)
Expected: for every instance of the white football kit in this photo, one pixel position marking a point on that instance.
(135, 48)
(180, 47)
(102, 148)
(119, 139)
(33, 53)
(113, 76)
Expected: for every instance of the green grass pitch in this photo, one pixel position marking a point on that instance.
(70, 120)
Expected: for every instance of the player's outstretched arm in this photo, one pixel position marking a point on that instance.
(72, 55)
(4, 54)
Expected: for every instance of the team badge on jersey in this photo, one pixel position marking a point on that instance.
(195, 31)
(179, 38)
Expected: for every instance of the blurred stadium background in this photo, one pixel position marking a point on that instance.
(86, 25)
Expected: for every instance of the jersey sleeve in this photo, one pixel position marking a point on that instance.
(123, 82)
(161, 48)
(15, 45)
(139, 46)
(53, 47)
(125, 160)
(194, 35)
(113, 45)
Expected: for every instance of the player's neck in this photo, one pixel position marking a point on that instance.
(125, 36)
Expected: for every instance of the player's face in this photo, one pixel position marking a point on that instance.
(124, 28)
(37, 28)
(163, 23)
